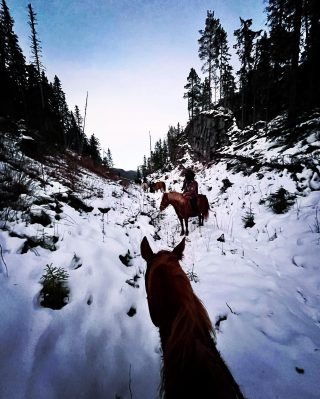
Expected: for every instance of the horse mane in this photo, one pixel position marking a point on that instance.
(191, 327)
(189, 324)
(192, 365)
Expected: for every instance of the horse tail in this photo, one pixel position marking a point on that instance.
(206, 207)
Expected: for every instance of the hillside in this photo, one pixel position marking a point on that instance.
(259, 284)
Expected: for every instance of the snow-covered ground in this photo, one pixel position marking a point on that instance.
(261, 288)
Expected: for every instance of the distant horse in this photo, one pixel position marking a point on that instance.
(151, 187)
(160, 185)
(144, 187)
(192, 365)
(183, 208)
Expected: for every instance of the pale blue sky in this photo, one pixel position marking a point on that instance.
(132, 56)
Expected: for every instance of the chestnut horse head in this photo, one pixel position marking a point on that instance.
(184, 209)
(192, 366)
(164, 201)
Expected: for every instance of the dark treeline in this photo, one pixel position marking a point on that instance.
(27, 96)
(164, 151)
(279, 68)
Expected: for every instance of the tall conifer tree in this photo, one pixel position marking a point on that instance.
(193, 93)
(36, 49)
(12, 68)
(244, 47)
(209, 49)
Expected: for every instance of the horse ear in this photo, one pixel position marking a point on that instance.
(178, 251)
(146, 251)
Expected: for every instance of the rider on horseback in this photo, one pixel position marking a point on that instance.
(190, 189)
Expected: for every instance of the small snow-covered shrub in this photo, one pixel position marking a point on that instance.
(13, 184)
(280, 201)
(248, 218)
(40, 217)
(44, 240)
(126, 259)
(192, 275)
(55, 291)
(226, 184)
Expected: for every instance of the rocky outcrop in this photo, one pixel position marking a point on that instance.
(207, 132)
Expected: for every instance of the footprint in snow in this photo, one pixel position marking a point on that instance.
(132, 311)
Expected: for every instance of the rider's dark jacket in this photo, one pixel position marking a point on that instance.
(190, 189)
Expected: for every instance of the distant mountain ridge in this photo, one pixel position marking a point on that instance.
(128, 174)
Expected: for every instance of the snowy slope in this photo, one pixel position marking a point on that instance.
(261, 288)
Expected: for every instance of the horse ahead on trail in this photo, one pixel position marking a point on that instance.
(160, 185)
(192, 365)
(144, 186)
(184, 209)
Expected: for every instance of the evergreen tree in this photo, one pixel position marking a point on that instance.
(12, 68)
(293, 23)
(72, 132)
(244, 48)
(226, 79)
(78, 118)
(59, 103)
(36, 50)
(228, 85)
(139, 175)
(94, 149)
(172, 143)
(209, 49)
(193, 88)
(165, 153)
(280, 36)
(280, 21)
(173, 140)
(144, 167)
(80, 138)
(107, 159)
(312, 53)
(296, 7)
(110, 158)
(205, 95)
(223, 58)
(54, 129)
(35, 111)
(262, 77)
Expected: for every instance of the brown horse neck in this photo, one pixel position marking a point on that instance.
(175, 198)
